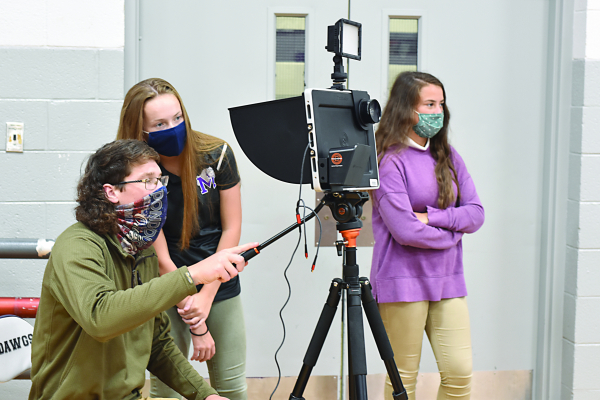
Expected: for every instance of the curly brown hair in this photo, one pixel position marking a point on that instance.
(109, 164)
(397, 122)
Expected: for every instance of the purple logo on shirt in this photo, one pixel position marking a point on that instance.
(206, 180)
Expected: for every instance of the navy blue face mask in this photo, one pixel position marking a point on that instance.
(169, 142)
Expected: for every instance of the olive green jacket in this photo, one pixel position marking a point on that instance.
(100, 323)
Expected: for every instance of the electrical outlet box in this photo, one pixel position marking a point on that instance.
(14, 136)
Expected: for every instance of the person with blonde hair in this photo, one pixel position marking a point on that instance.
(425, 204)
(204, 216)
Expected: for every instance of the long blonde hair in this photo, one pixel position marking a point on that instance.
(398, 120)
(191, 161)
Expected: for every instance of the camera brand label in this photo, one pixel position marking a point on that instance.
(336, 158)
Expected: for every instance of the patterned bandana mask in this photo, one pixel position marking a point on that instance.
(429, 125)
(140, 222)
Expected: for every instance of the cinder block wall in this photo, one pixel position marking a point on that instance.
(61, 74)
(581, 340)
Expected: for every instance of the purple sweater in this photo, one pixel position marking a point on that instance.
(413, 261)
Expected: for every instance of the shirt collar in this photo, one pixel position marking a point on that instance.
(413, 144)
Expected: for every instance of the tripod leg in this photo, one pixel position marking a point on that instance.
(381, 339)
(318, 338)
(357, 359)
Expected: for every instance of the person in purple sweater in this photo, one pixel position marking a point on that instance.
(426, 202)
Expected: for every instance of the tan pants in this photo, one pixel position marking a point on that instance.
(447, 325)
(227, 369)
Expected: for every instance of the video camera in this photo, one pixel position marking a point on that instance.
(336, 124)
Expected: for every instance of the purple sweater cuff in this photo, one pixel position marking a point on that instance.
(437, 217)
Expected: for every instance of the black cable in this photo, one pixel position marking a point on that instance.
(320, 235)
(281, 315)
(304, 226)
(300, 202)
(301, 223)
(302, 170)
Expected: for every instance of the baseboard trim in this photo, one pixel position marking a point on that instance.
(486, 385)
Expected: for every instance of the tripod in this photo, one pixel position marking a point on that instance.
(346, 208)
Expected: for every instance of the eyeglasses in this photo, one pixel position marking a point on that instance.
(150, 183)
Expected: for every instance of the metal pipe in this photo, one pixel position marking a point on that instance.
(24, 307)
(25, 248)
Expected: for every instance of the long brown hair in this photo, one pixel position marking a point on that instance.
(191, 161)
(109, 164)
(397, 122)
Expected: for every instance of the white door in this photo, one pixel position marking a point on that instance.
(491, 57)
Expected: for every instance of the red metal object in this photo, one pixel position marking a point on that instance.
(24, 307)
(350, 235)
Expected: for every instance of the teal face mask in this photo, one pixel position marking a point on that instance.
(429, 125)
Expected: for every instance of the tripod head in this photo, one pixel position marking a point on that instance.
(346, 208)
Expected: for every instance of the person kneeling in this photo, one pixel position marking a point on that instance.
(101, 321)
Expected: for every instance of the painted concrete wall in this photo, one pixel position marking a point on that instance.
(581, 340)
(61, 74)
(485, 76)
